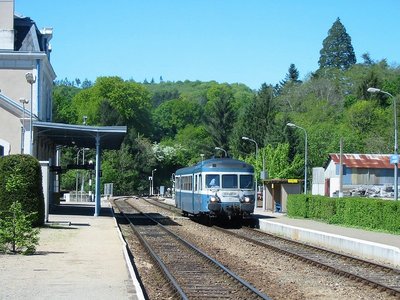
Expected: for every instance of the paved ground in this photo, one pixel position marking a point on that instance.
(79, 257)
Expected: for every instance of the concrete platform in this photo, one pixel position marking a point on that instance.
(79, 257)
(380, 247)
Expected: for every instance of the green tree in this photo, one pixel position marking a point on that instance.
(174, 115)
(292, 77)
(337, 50)
(256, 120)
(63, 111)
(189, 143)
(126, 103)
(220, 115)
(293, 74)
(16, 232)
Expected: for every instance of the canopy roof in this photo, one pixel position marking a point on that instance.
(83, 136)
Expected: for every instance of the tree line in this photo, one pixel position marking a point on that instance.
(175, 124)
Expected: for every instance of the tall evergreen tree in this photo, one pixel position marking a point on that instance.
(291, 77)
(293, 74)
(337, 50)
(257, 121)
(220, 115)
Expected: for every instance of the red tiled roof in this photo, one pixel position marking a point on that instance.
(368, 161)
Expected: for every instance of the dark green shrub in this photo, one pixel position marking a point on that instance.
(297, 205)
(367, 213)
(21, 180)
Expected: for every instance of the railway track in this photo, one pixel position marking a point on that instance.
(378, 276)
(192, 273)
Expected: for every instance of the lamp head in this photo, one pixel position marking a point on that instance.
(245, 138)
(23, 100)
(373, 90)
(291, 125)
(30, 78)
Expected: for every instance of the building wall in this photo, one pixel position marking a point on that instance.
(318, 181)
(288, 189)
(6, 24)
(15, 86)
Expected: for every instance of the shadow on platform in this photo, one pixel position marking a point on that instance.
(79, 209)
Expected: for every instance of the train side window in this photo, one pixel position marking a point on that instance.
(200, 183)
(195, 182)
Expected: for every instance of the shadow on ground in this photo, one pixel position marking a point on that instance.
(79, 210)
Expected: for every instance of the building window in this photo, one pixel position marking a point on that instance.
(4, 148)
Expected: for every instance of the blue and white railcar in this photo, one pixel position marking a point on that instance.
(217, 187)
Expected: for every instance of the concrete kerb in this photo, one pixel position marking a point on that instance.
(367, 250)
(128, 260)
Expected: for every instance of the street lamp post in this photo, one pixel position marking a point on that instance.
(305, 154)
(245, 138)
(23, 102)
(396, 157)
(219, 148)
(31, 79)
(152, 181)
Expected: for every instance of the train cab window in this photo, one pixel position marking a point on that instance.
(229, 181)
(246, 181)
(212, 180)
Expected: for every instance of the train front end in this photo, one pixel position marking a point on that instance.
(230, 189)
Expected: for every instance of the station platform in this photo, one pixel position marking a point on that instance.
(382, 248)
(79, 256)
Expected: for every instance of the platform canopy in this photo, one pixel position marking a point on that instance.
(81, 136)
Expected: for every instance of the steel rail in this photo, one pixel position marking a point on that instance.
(203, 254)
(340, 271)
(154, 256)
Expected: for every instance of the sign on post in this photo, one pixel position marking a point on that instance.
(394, 159)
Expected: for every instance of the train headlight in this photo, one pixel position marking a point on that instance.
(245, 199)
(214, 199)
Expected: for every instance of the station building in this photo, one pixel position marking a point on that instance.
(26, 83)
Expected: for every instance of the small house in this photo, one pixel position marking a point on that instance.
(359, 172)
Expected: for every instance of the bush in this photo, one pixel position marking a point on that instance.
(297, 205)
(21, 180)
(375, 214)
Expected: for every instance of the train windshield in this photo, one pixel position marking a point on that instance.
(212, 180)
(229, 181)
(246, 181)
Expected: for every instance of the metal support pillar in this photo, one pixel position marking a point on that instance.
(97, 188)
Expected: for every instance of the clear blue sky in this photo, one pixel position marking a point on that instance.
(245, 41)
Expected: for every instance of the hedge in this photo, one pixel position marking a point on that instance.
(24, 173)
(367, 213)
